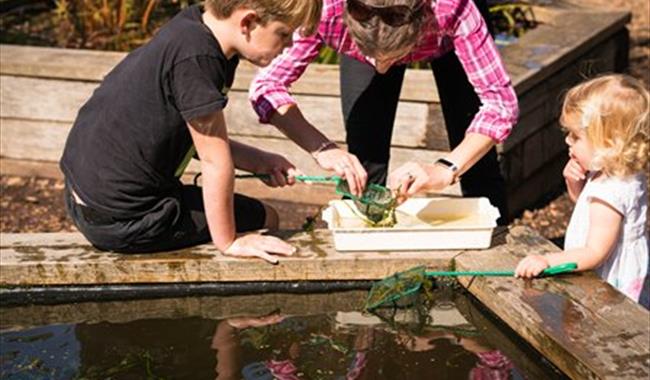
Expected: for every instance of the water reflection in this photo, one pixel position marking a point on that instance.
(445, 337)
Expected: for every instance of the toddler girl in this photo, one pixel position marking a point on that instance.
(608, 127)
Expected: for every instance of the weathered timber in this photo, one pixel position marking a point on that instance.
(583, 325)
(213, 307)
(65, 258)
(45, 140)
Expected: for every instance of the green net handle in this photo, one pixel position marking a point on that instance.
(301, 178)
(558, 269)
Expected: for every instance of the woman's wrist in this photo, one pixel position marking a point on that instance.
(324, 146)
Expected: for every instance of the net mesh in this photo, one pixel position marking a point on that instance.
(398, 290)
(376, 203)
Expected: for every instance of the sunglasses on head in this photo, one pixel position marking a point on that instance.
(393, 15)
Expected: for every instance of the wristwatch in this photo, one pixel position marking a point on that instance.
(449, 165)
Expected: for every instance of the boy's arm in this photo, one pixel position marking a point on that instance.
(211, 141)
(604, 228)
(258, 161)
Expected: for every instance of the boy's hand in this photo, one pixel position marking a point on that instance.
(531, 266)
(262, 246)
(346, 165)
(414, 177)
(282, 171)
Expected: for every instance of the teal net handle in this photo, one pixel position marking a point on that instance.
(558, 269)
(301, 178)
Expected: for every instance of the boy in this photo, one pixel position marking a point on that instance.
(162, 104)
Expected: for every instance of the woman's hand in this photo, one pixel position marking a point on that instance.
(531, 266)
(262, 246)
(280, 170)
(345, 165)
(413, 177)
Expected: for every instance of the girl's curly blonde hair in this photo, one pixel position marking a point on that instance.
(614, 112)
(303, 14)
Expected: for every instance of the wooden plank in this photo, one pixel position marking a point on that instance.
(566, 36)
(212, 307)
(44, 141)
(580, 323)
(542, 103)
(92, 66)
(60, 258)
(40, 99)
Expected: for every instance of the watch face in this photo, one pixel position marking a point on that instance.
(447, 163)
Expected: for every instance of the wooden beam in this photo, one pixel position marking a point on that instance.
(579, 322)
(36, 99)
(92, 66)
(44, 141)
(66, 258)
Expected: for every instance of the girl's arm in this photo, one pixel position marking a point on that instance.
(604, 228)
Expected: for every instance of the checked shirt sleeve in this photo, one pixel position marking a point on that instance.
(269, 89)
(480, 59)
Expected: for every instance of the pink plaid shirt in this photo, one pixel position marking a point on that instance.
(457, 25)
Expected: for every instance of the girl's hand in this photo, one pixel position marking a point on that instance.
(575, 176)
(281, 171)
(346, 165)
(262, 246)
(531, 266)
(574, 173)
(414, 177)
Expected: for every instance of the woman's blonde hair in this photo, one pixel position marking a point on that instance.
(305, 14)
(374, 37)
(614, 112)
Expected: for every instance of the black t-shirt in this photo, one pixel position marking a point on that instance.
(131, 136)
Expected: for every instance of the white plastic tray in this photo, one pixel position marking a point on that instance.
(422, 224)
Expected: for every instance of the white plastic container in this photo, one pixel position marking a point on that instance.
(422, 224)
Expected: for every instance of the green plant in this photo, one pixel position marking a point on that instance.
(110, 24)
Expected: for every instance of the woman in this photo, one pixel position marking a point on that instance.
(376, 39)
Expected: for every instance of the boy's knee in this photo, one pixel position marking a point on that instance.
(272, 220)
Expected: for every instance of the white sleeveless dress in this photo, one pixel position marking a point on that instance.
(626, 268)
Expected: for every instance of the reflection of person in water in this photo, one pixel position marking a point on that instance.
(490, 363)
(283, 349)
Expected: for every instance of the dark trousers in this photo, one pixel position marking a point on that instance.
(176, 222)
(369, 102)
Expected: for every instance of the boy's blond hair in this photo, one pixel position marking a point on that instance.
(374, 37)
(614, 112)
(295, 13)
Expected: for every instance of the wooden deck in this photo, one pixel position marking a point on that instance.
(580, 323)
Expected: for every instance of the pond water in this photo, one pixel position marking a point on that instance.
(444, 335)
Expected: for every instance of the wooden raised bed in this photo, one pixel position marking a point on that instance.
(577, 321)
(42, 89)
